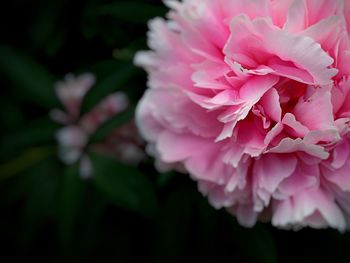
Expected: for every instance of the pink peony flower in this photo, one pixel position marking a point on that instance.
(123, 143)
(251, 98)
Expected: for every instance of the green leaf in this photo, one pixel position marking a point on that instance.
(105, 68)
(71, 197)
(125, 186)
(133, 12)
(112, 124)
(32, 82)
(24, 161)
(174, 226)
(42, 196)
(164, 178)
(109, 84)
(128, 52)
(45, 24)
(14, 189)
(90, 225)
(11, 116)
(35, 133)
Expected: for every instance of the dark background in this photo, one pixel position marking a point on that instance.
(122, 214)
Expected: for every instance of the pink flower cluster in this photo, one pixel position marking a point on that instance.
(252, 99)
(123, 143)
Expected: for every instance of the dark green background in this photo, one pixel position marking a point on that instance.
(123, 214)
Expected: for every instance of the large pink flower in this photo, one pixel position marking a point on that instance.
(252, 99)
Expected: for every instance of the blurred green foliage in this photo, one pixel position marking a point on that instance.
(123, 214)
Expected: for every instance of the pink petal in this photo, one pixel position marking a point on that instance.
(296, 128)
(305, 176)
(271, 169)
(271, 104)
(175, 148)
(297, 17)
(289, 145)
(267, 40)
(316, 111)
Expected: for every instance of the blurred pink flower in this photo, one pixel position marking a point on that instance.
(71, 92)
(252, 99)
(74, 137)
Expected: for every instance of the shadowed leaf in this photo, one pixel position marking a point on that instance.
(126, 186)
(133, 12)
(31, 80)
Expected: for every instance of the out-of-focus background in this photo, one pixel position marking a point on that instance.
(126, 211)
